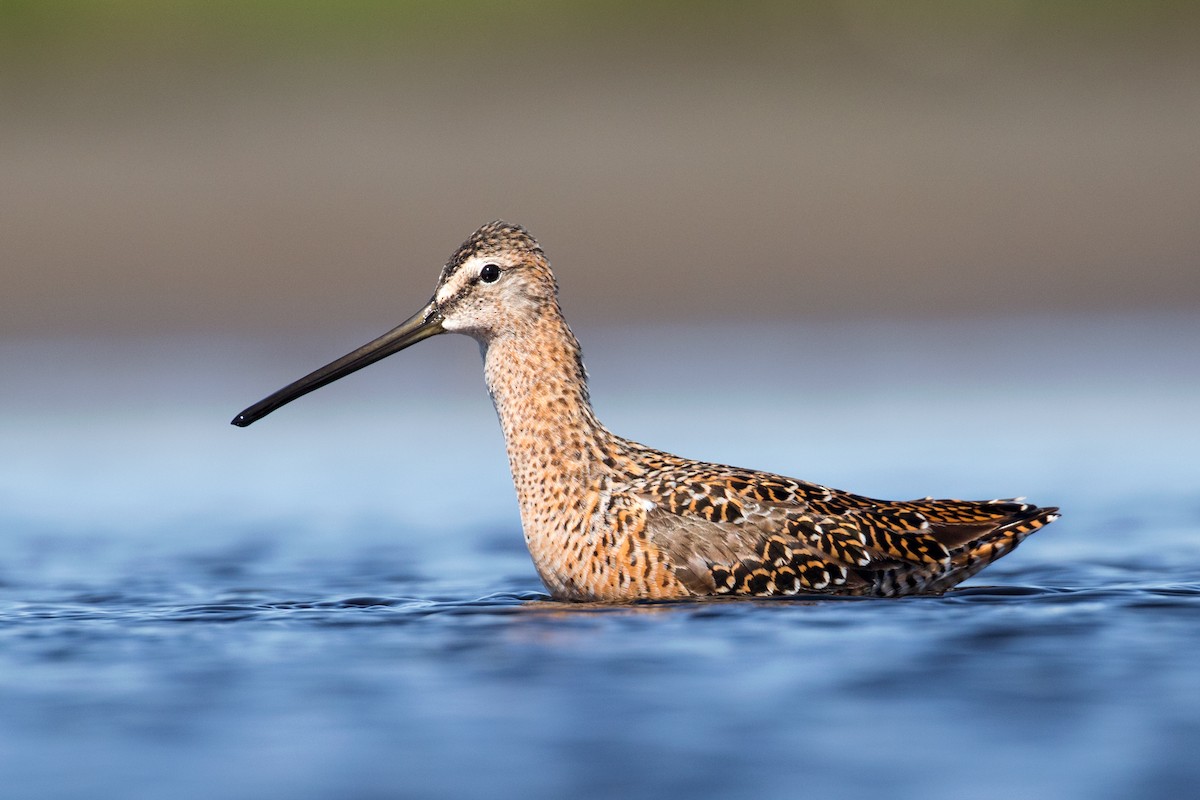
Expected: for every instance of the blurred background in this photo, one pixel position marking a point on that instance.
(945, 248)
(875, 209)
(191, 167)
(201, 201)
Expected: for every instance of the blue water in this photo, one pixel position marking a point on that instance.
(336, 602)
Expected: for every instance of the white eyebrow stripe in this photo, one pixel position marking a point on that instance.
(458, 280)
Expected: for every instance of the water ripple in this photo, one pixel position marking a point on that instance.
(371, 609)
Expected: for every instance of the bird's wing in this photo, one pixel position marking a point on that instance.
(731, 531)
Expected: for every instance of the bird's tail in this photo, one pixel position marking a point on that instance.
(976, 554)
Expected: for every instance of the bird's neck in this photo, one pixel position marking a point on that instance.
(537, 381)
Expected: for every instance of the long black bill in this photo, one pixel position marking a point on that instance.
(425, 323)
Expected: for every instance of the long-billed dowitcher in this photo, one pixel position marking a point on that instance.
(609, 519)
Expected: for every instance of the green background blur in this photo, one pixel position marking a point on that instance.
(264, 166)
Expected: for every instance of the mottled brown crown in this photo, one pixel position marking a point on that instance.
(490, 238)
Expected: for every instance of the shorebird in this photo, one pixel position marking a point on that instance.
(607, 519)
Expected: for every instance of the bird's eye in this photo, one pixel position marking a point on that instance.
(490, 273)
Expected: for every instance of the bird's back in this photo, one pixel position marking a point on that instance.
(728, 531)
